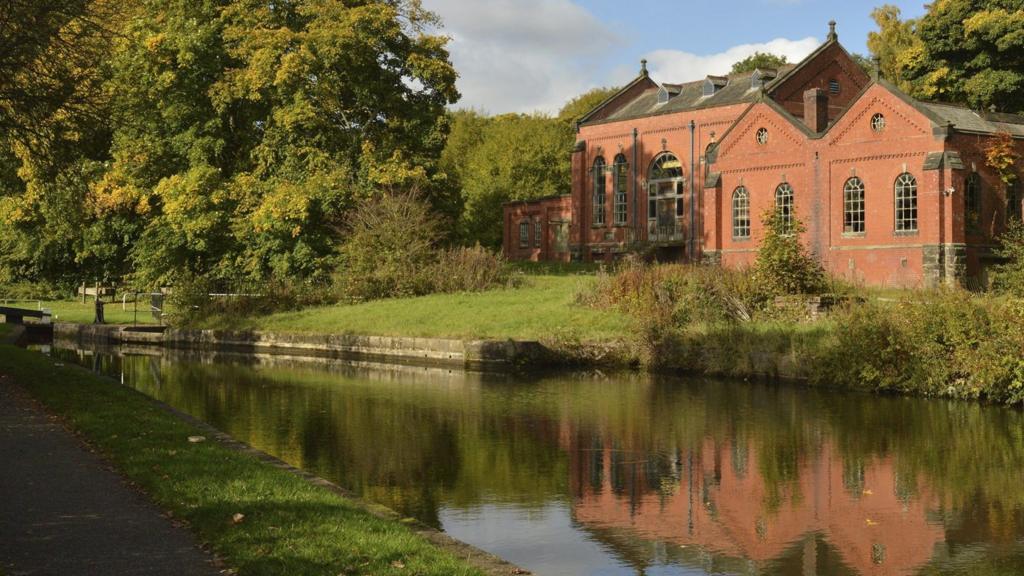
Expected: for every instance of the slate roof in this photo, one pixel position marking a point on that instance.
(691, 97)
(967, 120)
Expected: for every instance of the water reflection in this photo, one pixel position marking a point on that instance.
(632, 474)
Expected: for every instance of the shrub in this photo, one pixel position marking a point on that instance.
(390, 248)
(942, 343)
(470, 270)
(664, 300)
(783, 265)
(1008, 277)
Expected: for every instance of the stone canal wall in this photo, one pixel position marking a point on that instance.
(472, 354)
(731, 357)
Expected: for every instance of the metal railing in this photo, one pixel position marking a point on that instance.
(664, 231)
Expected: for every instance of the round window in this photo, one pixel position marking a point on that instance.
(762, 136)
(878, 122)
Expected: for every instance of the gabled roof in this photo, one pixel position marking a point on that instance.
(736, 89)
(643, 78)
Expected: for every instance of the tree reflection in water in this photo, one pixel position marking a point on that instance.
(709, 475)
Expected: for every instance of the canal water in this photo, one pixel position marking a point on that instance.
(593, 474)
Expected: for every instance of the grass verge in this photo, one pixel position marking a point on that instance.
(543, 308)
(290, 527)
(76, 312)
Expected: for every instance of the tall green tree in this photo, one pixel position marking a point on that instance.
(245, 129)
(964, 51)
(759, 60)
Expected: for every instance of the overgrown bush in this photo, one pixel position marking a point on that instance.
(663, 300)
(392, 250)
(470, 270)
(944, 343)
(31, 291)
(783, 265)
(390, 247)
(194, 299)
(1008, 277)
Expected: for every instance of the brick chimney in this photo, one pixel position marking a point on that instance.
(816, 109)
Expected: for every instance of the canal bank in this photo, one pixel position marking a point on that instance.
(764, 357)
(619, 473)
(258, 513)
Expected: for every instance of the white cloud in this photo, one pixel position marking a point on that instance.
(676, 66)
(535, 55)
(522, 55)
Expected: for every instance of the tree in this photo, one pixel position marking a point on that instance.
(575, 109)
(520, 157)
(894, 44)
(246, 129)
(783, 265)
(50, 53)
(963, 51)
(759, 60)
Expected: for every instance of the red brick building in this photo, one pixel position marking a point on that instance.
(893, 191)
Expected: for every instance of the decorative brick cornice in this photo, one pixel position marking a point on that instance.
(894, 156)
(869, 108)
(758, 120)
(765, 168)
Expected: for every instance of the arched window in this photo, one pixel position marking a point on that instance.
(599, 191)
(906, 203)
(664, 196)
(784, 204)
(740, 214)
(619, 184)
(853, 206)
(666, 167)
(972, 202)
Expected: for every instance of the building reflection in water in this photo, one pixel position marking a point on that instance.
(716, 501)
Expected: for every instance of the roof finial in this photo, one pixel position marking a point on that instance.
(876, 68)
(643, 68)
(832, 36)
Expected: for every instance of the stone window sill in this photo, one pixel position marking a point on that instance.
(854, 234)
(905, 233)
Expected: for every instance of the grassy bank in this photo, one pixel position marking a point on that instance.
(290, 527)
(77, 312)
(542, 308)
(5, 329)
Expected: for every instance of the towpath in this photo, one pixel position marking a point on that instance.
(63, 511)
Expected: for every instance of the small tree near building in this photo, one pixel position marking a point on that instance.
(783, 264)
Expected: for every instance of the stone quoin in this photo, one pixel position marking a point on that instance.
(893, 191)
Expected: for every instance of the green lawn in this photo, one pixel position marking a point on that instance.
(290, 526)
(542, 308)
(75, 311)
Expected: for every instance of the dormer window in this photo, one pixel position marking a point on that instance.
(667, 92)
(713, 84)
(761, 77)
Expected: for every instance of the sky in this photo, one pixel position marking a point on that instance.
(536, 55)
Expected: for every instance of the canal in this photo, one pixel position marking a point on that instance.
(627, 474)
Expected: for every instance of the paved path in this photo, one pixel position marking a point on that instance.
(63, 513)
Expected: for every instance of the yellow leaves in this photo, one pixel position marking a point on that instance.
(286, 204)
(112, 194)
(393, 171)
(1001, 155)
(155, 41)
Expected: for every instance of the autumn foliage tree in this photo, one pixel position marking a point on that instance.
(234, 136)
(963, 51)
